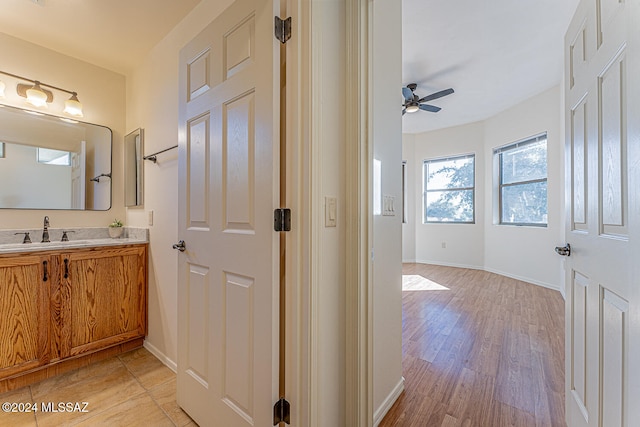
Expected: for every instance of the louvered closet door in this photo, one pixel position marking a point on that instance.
(602, 227)
(228, 166)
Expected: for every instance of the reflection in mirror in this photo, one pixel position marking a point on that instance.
(49, 162)
(133, 168)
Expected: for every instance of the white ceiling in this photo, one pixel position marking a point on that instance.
(112, 34)
(494, 54)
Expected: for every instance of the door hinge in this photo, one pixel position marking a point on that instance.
(283, 29)
(281, 412)
(282, 219)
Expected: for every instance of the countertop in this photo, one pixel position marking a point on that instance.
(78, 238)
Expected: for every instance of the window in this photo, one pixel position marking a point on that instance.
(53, 157)
(449, 187)
(523, 182)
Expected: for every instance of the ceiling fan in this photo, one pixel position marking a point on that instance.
(413, 103)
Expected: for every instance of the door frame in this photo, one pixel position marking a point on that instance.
(359, 231)
(304, 251)
(304, 248)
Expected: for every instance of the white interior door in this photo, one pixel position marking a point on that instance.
(228, 182)
(601, 229)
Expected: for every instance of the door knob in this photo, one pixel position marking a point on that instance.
(180, 246)
(564, 250)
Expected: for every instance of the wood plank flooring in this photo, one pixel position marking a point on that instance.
(479, 349)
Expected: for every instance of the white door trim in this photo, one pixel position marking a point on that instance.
(359, 231)
(306, 252)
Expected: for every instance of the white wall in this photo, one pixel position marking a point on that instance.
(463, 242)
(386, 122)
(102, 93)
(409, 227)
(327, 56)
(521, 252)
(527, 252)
(20, 165)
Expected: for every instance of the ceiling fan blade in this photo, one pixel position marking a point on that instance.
(407, 93)
(432, 108)
(404, 110)
(436, 95)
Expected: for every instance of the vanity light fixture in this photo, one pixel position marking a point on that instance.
(72, 106)
(38, 96)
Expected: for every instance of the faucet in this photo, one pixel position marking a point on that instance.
(45, 231)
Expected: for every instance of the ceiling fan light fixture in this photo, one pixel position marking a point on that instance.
(412, 108)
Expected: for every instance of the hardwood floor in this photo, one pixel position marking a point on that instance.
(479, 349)
(132, 389)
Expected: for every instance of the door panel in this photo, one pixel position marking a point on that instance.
(579, 166)
(578, 316)
(238, 186)
(601, 293)
(613, 364)
(198, 171)
(24, 295)
(612, 146)
(228, 187)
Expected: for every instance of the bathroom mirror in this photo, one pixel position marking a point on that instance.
(51, 162)
(133, 168)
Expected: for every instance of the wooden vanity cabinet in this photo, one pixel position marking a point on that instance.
(64, 309)
(24, 304)
(102, 298)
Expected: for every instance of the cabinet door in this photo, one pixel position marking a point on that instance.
(24, 304)
(104, 298)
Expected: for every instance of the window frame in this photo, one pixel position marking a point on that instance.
(426, 190)
(497, 152)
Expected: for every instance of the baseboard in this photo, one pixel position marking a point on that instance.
(161, 356)
(492, 270)
(409, 261)
(450, 264)
(379, 414)
(524, 279)
(562, 292)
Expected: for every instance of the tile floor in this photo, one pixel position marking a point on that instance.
(132, 389)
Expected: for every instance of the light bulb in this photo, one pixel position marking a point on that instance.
(36, 96)
(72, 106)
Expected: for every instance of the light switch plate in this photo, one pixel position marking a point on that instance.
(330, 211)
(388, 205)
(150, 218)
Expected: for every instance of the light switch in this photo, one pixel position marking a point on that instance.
(388, 205)
(150, 218)
(330, 211)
